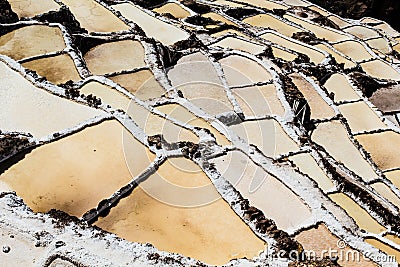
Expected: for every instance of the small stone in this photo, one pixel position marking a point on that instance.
(60, 244)
(6, 249)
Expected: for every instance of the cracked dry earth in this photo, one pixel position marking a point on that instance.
(245, 132)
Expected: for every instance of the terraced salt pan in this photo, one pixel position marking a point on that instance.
(150, 123)
(387, 29)
(120, 55)
(339, 58)
(29, 8)
(267, 135)
(94, 17)
(340, 86)
(153, 27)
(141, 83)
(393, 238)
(361, 117)
(241, 71)
(174, 9)
(42, 39)
(264, 4)
(227, 3)
(339, 21)
(360, 216)
(309, 166)
(218, 17)
(354, 50)
(362, 32)
(385, 248)
(387, 193)
(203, 231)
(280, 53)
(295, 2)
(196, 77)
(383, 148)
(334, 138)
(381, 70)
(26, 108)
(380, 44)
(387, 99)
(259, 100)
(180, 113)
(320, 239)
(56, 69)
(75, 173)
(268, 21)
(228, 31)
(319, 108)
(262, 190)
(239, 44)
(394, 177)
(315, 56)
(320, 32)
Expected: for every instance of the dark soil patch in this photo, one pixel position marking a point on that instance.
(6, 13)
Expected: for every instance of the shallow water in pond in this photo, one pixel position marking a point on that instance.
(239, 44)
(142, 84)
(26, 108)
(57, 69)
(385, 248)
(361, 117)
(339, 58)
(241, 71)
(259, 100)
(29, 8)
(203, 231)
(381, 44)
(320, 239)
(362, 32)
(309, 166)
(262, 190)
(387, 193)
(333, 137)
(151, 124)
(94, 17)
(80, 170)
(394, 177)
(354, 50)
(318, 106)
(269, 21)
(267, 135)
(153, 27)
(383, 148)
(381, 70)
(340, 86)
(360, 216)
(43, 39)
(174, 9)
(315, 56)
(119, 55)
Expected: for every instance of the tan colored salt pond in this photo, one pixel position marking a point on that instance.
(360, 216)
(264, 4)
(150, 123)
(309, 166)
(340, 86)
(29, 8)
(381, 70)
(228, 31)
(199, 82)
(203, 231)
(75, 173)
(241, 71)
(174, 9)
(393, 238)
(56, 69)
(218, 17)
(334, 138)
(267, 135)
(387, 193)
(94, 17)
(180, 113)
(383, 148)
(320, 32)
(394, 177)
(354, 50)
(385, 248)
(42, 40)
(380, 44)
(259, 100)
(339, 59)
(26, 108)
(387, 29)
(268, 21)
(319, 108)
(315, 56)
(362, 32)
(339, 21)
(115, 56)
(153, 27)
(239, 44)
(262, 190)
(227, 3)
(361, 117)
(141, 83)
(320, 240)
